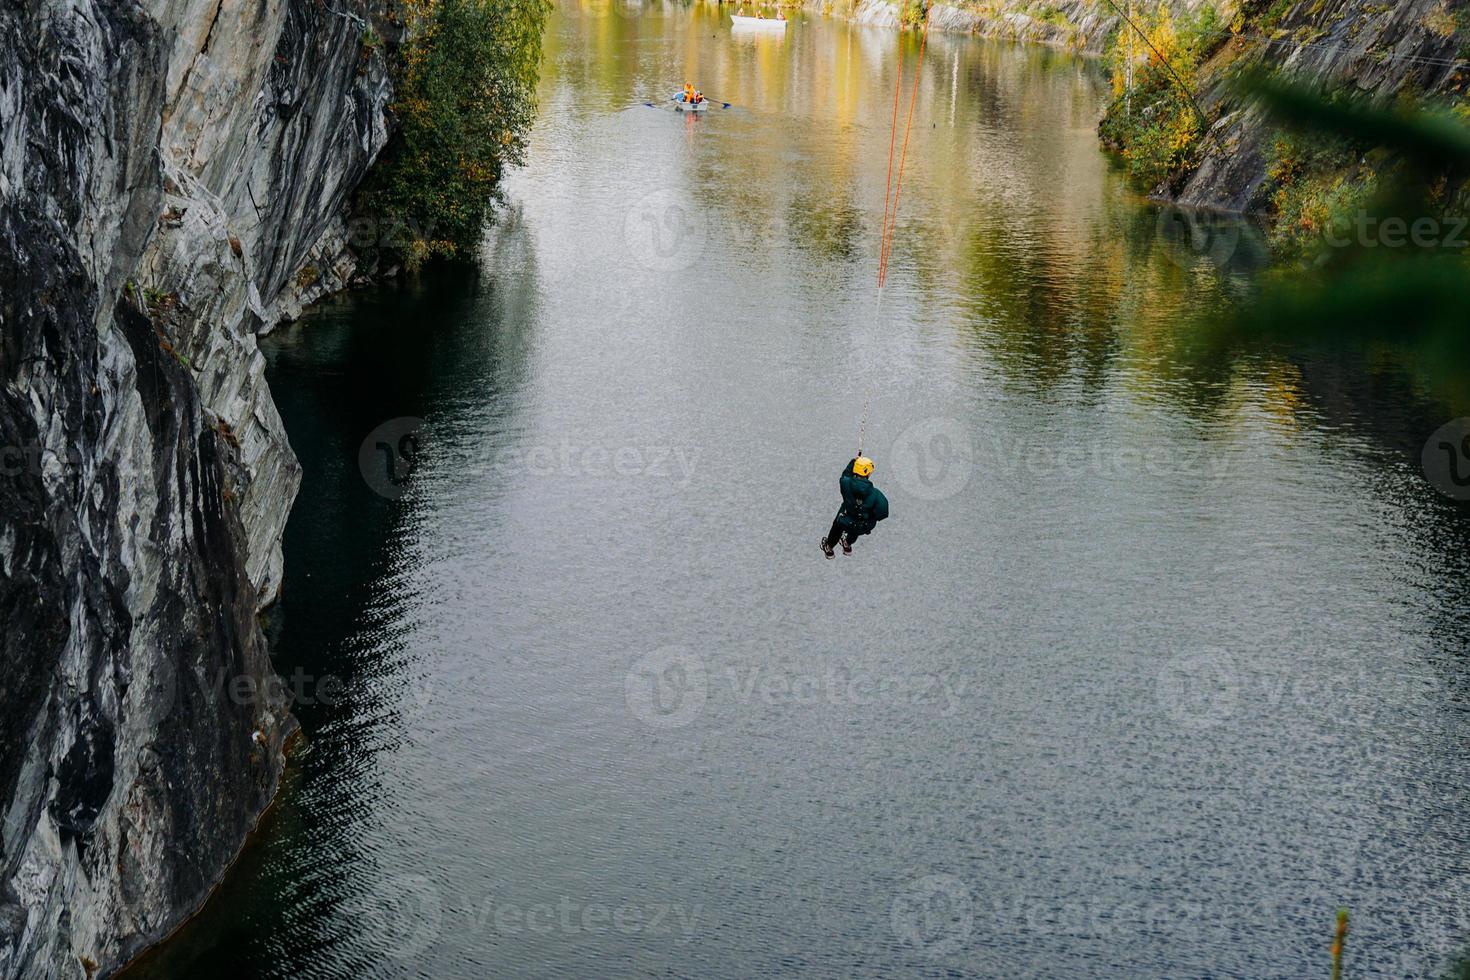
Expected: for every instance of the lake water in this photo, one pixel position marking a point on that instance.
(1159, 660)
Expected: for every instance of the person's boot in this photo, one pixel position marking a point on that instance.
(846, 545)
(827, 549)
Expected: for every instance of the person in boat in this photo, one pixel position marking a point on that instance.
(863, 506)
(689, 92)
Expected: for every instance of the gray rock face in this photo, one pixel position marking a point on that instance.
(168, 170)
(1372, 48)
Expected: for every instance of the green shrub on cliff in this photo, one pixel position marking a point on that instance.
(1317, 187)
(465, 87)
(1152, 121)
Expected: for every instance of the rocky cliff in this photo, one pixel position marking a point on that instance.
(172, 180)
(1377, 49)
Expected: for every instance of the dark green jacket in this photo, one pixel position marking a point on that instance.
(863, 505)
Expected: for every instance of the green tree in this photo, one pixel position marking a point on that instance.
(465, 90)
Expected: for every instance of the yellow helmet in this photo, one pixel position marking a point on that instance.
(862, 466)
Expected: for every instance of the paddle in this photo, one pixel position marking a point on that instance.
(707, 98)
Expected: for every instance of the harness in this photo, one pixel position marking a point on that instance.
(857, 512)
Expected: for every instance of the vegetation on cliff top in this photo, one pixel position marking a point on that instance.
(465, 86)
(1152, 121)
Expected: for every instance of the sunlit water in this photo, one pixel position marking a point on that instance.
(1158, 662)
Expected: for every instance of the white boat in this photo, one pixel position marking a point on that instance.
(683, 106)
(759, 23)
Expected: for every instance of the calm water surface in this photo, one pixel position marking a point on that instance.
(1159, 661)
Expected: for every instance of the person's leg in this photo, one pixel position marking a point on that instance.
(834, 535)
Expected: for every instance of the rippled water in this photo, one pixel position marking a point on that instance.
(1158, 662)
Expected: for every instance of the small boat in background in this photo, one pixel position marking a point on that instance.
(759, 23)
(701, 106)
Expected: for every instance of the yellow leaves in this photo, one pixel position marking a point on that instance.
(1313, 217)
(477, 171)
(411, 107)
(1440, 21)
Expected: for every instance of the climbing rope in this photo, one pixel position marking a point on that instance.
(868, 386)
(891, 191)
(886, 247)
(888, 181)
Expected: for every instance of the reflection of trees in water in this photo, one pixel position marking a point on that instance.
(1075, 302)
(828, 227)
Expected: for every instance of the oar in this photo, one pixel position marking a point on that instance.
(707, 98)
(722, 105)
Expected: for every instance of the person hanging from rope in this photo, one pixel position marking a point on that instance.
(863, 506)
